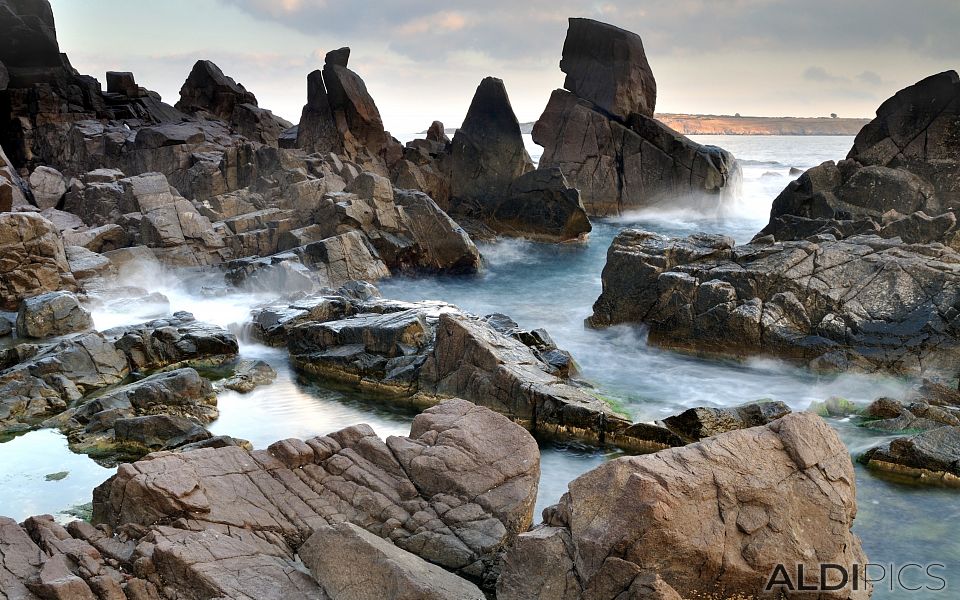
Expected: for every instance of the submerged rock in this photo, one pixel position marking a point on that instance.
(729, 509)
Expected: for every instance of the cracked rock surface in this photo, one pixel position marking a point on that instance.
(714, 517)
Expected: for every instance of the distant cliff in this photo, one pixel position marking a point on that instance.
(734, 125)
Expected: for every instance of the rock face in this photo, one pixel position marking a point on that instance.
(455, 493)
(335, 555)
(607, 66)
(862, 302)
(903, 161)
(601, 134)
(32, 259)
(52, 314)
(726, 531)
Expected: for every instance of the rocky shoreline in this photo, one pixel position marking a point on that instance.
(100, 186)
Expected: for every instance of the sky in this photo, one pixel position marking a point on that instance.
(422, 60)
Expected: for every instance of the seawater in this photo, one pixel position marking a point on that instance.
(554, 287)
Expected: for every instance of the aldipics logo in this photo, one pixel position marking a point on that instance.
(830, 577)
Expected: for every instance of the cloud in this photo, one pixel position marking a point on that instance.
(870, 78)
(822, 75)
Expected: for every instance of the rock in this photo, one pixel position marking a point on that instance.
(317, 131)
(932, 455)
(694, 424)
(248, 375)
(867, 302)
(437, 133)
(730, 508)
(87, 265)
(122, 82)
(358, 121)
(607, 66)
(32, 259)
(455, 493)
(52, 314)
(40, 383)
(48, 186)
(622, 167)
(6, 326)
(157, 432)
(427, 351)
(336, 554)
(889, 169)
(97, 239)
(886, 414)
(441, 245)
(331, 262)
(4, 77)
(14, 191)
(542, 206)
(208, 89)
(488, 151)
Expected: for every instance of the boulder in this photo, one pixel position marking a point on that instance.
(607, 66)
(87, 265)
(729, 508)
(158, 432)
(541, 205)
(52, 314)
(440, 244)
(929, 456)
(336, 554)
(122, 82)
(98, 239)
(862, 302)
(488, 152)
(455, 492)
(14, 191)
(32, 259)
(248, 375)
(48, 186)
(903, 161)
(694, 424)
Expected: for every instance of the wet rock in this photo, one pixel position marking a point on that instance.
(440, 244)
(694, 424)
(488, 152)
(454, 493)
(336, 554)
(886, 414)
(48, 186)
(32, 259)
(541, 205)
(249, 374)
(158, 432)
(52, 314)
(179, 340)
(932, 455)
(726, 531)
(600, 133)
(607, 66)
(862, 302)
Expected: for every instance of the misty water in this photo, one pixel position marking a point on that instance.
(554, 287)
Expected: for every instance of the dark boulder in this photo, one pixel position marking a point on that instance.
(208, 90)
(541, 205)
(932, 455)
(607, 66)
(317, 131)
(158, 432)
